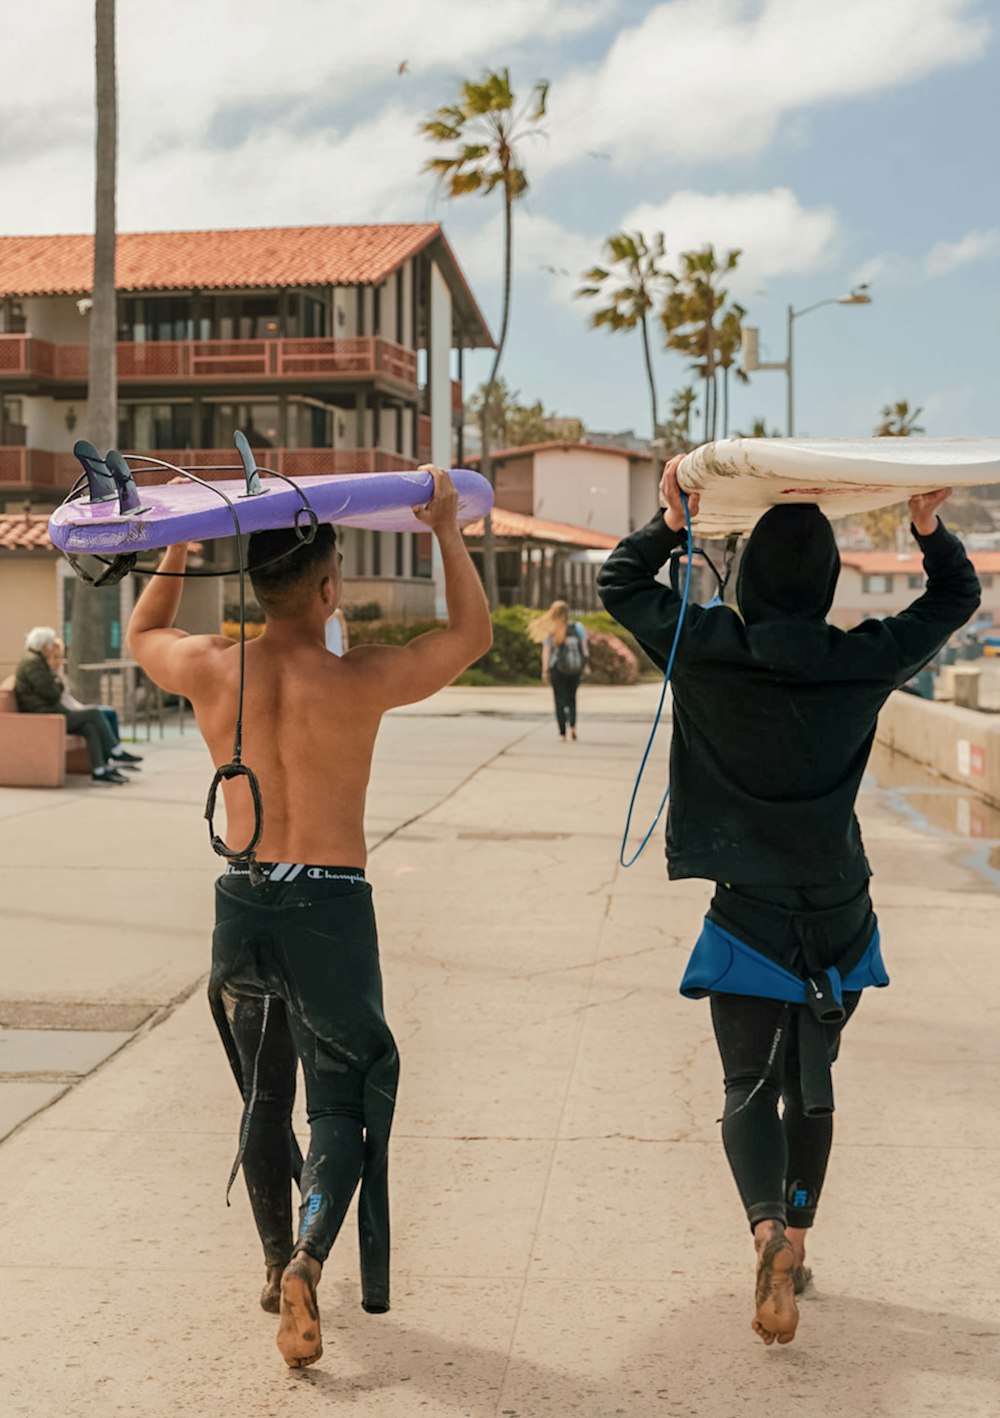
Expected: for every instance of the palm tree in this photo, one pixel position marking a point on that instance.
(758, 429)
(898, 421)
(87, 641)
(489, 126)
(729, 344)
(689, 314)
(499, 402)
(677, 429)
(636, 280)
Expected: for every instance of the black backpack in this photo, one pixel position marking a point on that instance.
(568, 658)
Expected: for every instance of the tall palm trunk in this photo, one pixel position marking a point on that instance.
(486, 465)
(647, 356)
(102, 404)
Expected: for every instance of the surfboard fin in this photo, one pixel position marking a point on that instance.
(99, 478)
(128, 493)
(250, 472)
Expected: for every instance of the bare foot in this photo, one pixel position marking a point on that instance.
(270, 1296)
(299, 1337)
(777, 1314)
(801, 1275)
(573, 734)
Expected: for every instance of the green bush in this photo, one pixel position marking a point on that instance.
(389, 632)
(512, 658)
(603, 623)
(611, 660)
(367, 610)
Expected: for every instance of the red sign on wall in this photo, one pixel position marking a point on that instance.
(977, 760)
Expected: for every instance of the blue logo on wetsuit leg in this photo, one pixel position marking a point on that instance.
(800, 1198)
(312, 1210)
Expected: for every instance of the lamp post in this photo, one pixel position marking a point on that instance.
(858, 296)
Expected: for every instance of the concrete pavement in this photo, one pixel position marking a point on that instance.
(567, 1240)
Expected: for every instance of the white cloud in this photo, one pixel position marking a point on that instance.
(948, 256)
(542, 247)
(711, 79)
(235, 111)
(778, 236)
(893, 270)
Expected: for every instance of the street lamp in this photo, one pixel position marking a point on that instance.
(858, 296)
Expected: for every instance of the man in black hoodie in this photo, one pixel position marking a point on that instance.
(774, 715)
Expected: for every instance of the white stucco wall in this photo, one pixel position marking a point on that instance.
(45, 421)
(644, 483)
(56, 318)
(585, 487)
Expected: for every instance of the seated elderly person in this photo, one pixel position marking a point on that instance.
(40, 690)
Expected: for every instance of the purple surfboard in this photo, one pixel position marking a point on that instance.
(180, 512)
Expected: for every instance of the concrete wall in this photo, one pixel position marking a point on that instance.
(515, 485)
(960, 744)
(584, 487)
(29, 595)
(644, 489)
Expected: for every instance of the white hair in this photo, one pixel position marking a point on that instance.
(40, 638)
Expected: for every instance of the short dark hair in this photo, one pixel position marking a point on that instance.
(280, 564)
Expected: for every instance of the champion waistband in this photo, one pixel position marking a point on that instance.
(287, 872)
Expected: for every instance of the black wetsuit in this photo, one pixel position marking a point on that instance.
(295, 976)
(774, 716)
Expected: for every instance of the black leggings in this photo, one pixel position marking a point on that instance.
(779, 1163)
(564, 688)
(91, 725)
(295, 978)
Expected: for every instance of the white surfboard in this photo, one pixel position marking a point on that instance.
(738, 479)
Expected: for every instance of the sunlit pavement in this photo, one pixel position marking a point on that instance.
(567, 1240)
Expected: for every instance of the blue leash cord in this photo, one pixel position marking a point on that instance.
(685, 596)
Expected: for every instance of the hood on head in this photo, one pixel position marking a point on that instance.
(790, 566)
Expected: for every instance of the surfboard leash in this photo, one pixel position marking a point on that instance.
(685, 598)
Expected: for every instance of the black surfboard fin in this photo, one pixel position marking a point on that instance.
(243, 448)
(100, 481)
(128, 493)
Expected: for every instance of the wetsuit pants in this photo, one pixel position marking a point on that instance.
(564, 688)
(91, 725)
(778, 1162)
(296, 979)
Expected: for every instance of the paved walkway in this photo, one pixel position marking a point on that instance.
(567, 1238)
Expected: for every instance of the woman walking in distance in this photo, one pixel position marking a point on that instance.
(565, 660)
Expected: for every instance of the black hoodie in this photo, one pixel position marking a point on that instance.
(774, 714)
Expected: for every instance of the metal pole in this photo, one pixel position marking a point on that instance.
(790, 413)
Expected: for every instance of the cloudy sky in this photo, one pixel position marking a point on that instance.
(833, 140)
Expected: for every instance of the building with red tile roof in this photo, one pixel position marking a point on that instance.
(332, 347)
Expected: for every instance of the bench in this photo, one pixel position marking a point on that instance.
(35, 749)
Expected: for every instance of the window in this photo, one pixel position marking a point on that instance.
(146, 427)
(421, 553)
(915, 583)
(360, 540)
(876, 585)
(376, 553)
(986, 580)
(399, 553)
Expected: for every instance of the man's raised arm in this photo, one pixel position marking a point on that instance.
(405, 674)
(172, 658)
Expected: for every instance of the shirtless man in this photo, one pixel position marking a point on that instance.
(295, 969)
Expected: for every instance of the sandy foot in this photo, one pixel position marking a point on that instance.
(299, 1337)
(777, 1314)
(270, 1296)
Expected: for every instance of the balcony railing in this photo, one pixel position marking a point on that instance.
(37, 468)
(215, 361)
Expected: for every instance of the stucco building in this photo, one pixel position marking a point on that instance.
(336, 349)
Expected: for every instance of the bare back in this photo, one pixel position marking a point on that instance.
(310, 720)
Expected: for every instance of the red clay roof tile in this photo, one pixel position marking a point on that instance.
(20, 531)
(519, 525)
(268, 257)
